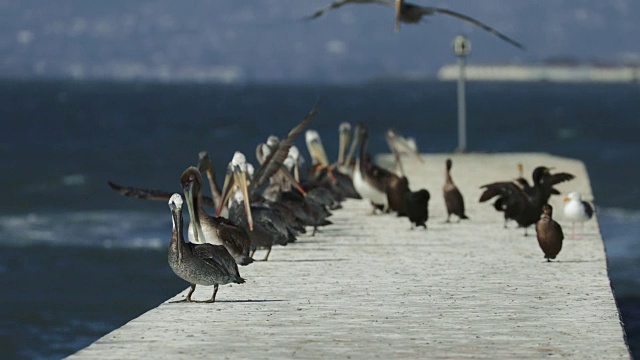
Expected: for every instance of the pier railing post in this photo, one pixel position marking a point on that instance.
(461, 48)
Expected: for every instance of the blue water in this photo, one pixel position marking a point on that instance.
(77, 260)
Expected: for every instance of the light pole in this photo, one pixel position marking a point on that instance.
(461, 48)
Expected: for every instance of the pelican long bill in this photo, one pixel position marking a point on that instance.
(197, 228)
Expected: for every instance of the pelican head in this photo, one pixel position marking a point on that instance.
(191, 182)
(316, 149)
(175, 204)
(236, 179)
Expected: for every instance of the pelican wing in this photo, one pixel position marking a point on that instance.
(152, 194)
(217, 257)
(339, 3)
(425, 10)
(279, 153)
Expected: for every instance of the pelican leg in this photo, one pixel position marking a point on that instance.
(188, 298)
(213, 297)
(315, 229)
(525, 231)
(253, 251)
(448, 216)
(267, 256)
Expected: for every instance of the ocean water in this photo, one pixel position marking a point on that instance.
(78, 260)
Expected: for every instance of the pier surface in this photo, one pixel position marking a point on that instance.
(369, 287)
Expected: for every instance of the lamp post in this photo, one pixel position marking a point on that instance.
(461, 48)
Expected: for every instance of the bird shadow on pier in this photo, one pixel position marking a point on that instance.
(307, 260)
(251, 301)
(225, 301)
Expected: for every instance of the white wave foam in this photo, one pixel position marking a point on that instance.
(109, 229)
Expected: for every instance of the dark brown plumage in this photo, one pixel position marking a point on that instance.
(417, 207)
(409, 13)
(549, 233)
(452, 196)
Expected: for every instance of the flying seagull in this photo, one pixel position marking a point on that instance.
(411, 14)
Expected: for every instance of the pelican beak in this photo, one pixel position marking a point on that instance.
(296, 172)
(566, 198)
(344, 142)
(176, 213)
(205, 166)
(226, 191)
(398, 4)
(240, 178)
(292, 180)
(197, 228)
(352, 148)
(316, 149)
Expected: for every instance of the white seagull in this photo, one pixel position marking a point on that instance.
(577, 210)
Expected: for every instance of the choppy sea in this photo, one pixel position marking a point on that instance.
(77, 260)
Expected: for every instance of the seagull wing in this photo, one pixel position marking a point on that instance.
(425, 10)
(339, 3)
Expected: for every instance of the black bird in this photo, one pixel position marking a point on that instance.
(452, 196)
(523, 206)
(412, 14)
(549, 233)
(417, 207)
(203, 264)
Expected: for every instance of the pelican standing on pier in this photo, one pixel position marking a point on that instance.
(369, 179)
(204, 228)
(202, 264)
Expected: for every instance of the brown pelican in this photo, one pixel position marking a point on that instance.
(576, 210)
(549, 233)
(205, 167)
(409, 13)
(203, 264)
(521, 205)
(452, 196)
(266, 226)
(400, 145)
(332, 176)
(204, 228)
(370, 180)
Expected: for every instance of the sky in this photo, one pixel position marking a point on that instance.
(235, 41)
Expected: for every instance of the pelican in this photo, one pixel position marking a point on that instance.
(452, 196)
(204, 228)
(576, 210)
(265, 226)
(409, 13)
(549, 233)
(369, 180)
(203, 264)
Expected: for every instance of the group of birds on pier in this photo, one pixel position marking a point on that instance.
(273, 205)
(527, 204)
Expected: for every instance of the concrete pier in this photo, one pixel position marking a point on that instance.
(369, 287)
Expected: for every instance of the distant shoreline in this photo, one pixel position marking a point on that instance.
(566, 73)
